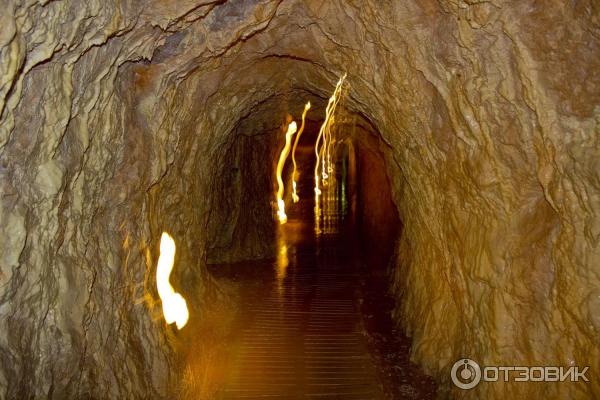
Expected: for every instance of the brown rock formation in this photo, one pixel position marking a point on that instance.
(119, 119)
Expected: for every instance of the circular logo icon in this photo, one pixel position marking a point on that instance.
(465, 373)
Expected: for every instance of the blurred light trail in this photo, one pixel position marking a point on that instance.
(173, 304)
(282, 157)
(294, 193)
(322, 150)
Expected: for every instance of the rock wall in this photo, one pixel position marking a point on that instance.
(113, 113)
(377, 215)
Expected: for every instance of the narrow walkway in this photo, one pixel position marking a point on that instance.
(316, 323)
(303, 337)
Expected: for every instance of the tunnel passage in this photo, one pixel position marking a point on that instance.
(314, 321)
(117, 119)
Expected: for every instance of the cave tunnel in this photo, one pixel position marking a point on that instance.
(450, 251)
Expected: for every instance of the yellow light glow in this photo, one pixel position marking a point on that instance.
(282, 157)
(295, 196)
(173, 304)
(322, 150)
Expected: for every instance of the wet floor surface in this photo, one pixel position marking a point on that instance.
(303, 337)
(315, 324)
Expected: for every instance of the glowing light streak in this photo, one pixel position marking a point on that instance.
(282, 157)
(322, 150)
(295, 197)
(173, 304)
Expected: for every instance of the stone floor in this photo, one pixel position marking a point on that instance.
(315, 323)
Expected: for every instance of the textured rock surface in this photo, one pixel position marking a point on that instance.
(114, 116)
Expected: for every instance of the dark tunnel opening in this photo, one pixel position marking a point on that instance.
(314, 301)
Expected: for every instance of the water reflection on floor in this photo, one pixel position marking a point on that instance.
(314, 323)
